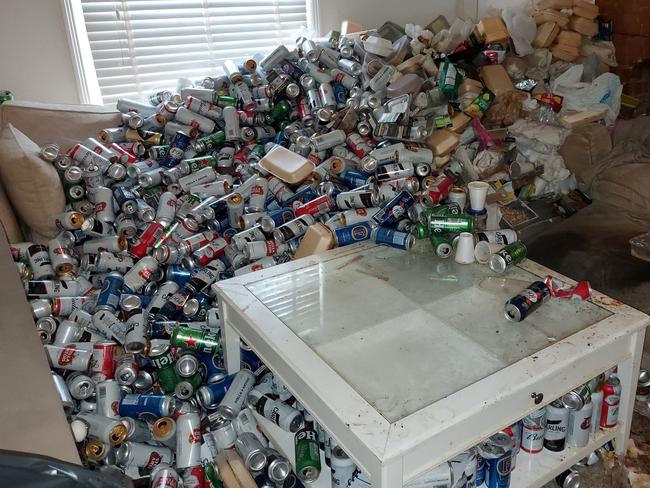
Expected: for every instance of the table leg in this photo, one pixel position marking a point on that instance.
(628, 374)
(388, 476)
(230, 341)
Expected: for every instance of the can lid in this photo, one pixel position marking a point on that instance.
(187, 365)
(512, 313)
(256, 460)
(123, 453)
(572, 480)
(158, 347)
(129, 303)
(497, 263)
(279, 470)
(572, 400)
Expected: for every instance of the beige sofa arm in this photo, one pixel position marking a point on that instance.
(583, 149)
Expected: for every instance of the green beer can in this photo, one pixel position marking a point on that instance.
(163, 360)
(446, 224)
(194, 340)
(307, 455)
(510, 255)
(448, 210)
(442, 245)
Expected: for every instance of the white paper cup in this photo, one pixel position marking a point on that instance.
(477, 194)
(457, 195)
(483, 250)
(465, 249)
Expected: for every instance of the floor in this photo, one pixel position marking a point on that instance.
(631, 472)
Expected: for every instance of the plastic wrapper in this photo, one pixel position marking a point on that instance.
(522, 29)
(516, 67)
(450, 79)
(487, 163)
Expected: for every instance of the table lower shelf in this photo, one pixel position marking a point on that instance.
(535, 470)
(532, 471)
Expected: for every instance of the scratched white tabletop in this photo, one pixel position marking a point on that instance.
(413, 325)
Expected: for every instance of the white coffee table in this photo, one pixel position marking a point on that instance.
(407, 360)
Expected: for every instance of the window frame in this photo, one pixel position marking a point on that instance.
(82, 58)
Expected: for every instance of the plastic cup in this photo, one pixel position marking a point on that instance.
(465, 249)
(483, 250)
(521, 168)
(477, 194)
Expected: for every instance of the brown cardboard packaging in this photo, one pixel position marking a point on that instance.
(442, 142)
(496, 79)
(317, 239)
(546, 34)
(556, 16)
(569, 38)
(586, 10)
(565, 53)
(577, 119)
(459, 122)
(470, 86)
(554, 4)
(584, 26)
(493, 29)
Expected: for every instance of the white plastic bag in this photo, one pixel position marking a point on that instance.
(604, 92)
(448, 39)
(522, 29)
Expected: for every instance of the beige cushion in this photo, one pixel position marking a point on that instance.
(583, 149)
(63, 124)
(32, 184)
(8, 218)
(625, 186)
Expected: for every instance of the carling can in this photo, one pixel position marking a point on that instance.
(527, 301)
(532, 433)
(342, 468)
(211, 394)
(557, 420)
(234, 399)
(611, 401)
(509, 256)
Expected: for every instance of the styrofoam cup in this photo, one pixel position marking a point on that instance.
(521, 168)
(465, 249)
(477, 194)
(484, 249)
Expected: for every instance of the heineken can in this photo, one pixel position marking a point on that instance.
(450, 224)
(442, 244)
(510, 255)
(6, 96)
(307, 455)
(194, 340)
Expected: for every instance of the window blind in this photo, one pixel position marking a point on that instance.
(140, 46)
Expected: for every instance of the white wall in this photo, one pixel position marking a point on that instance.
(35, 60)
(36, 64)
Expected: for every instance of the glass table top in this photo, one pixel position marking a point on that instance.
(406, 329)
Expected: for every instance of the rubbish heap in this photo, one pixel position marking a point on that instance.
(379, 136)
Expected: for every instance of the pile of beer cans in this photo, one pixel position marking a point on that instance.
(180, 196)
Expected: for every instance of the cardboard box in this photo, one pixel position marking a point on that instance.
(493, 29)
(584, 26)
(569, 38)
(496, 79)
(586, 10)
(553, 4)
(565, 53)
(546, 34)
(543, 16)
(470, 86)
(459, 122)
(317, 239)
(577, 119)
(442, 142)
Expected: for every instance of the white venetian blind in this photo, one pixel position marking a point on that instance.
(139, 46)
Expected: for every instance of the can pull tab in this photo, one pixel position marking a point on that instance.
(537, 397)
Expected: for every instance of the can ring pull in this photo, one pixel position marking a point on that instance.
(537, 397)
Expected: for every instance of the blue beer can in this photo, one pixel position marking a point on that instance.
(393, 238)
(354, 179)
(134, 405)
(396, 208)
(497, 452)
(178, 275)
(211, 394)
(352, 234)
(109, 296)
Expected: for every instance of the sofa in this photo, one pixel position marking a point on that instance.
(591, 245)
